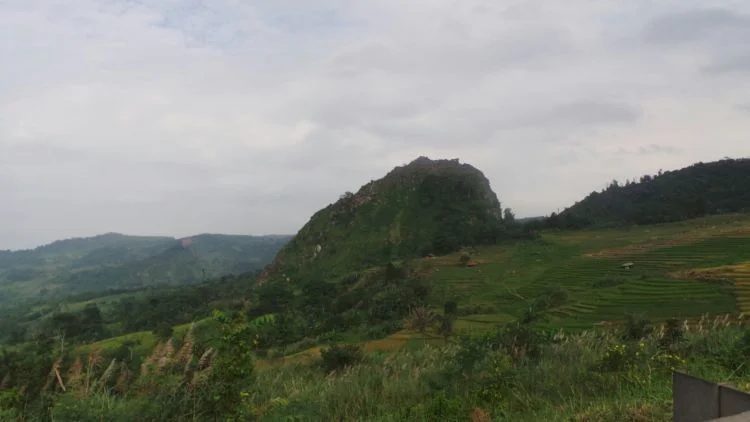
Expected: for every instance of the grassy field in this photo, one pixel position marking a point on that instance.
(697, 271)
(682, 270)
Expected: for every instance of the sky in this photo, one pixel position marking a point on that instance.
(177, 117)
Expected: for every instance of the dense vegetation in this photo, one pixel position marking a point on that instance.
(417, 298)
(513, 372)
(113, 262)
(696, 191)
(425, 207)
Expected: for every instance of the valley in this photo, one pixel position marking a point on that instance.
(417, 297)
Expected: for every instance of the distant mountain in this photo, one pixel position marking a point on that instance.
(695, 191)
(427, 206)
(117, 261)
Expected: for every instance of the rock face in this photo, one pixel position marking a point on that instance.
(427, 206)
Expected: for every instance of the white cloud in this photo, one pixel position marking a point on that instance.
(176, 117)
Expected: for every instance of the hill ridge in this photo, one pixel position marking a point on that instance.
(698, 190)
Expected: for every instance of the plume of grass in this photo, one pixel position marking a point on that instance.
(123, 380)
(75, 374)
(202, 369)
(108, 373)
(166, 355)
(54, 374)
(92, 364)
(151, 360)
(206, 358)
(185, 354)
(660, 331)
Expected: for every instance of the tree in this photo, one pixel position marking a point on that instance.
(420, 319)
(164, 330)
(232, 373)
(508, 216)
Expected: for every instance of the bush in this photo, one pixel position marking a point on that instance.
(734, 357)
(338, 357)
(636, 328)
(673, 334)
(464, 259)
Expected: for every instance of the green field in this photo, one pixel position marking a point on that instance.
(689, 270)
(586, 266)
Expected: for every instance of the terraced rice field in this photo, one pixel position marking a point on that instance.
(667, 279)
(738, 275)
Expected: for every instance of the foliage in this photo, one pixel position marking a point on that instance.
(425, 207)
(115, 262)
(464, 259)
(695, 191)
(338, 357)
(421, 319)
(232, 372)
(636, 327)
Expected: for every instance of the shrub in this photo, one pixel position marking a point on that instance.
(464, 259)
(636, 328)
(496, 377)
(442, 408)
(338, 357)
(734, 356)
(673, 334)
(421, 319)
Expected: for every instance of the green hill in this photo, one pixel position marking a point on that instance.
(409, 263)
(696, 191)
(115, 261)
(425, 207)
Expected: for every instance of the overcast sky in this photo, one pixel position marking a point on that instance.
(176, 117)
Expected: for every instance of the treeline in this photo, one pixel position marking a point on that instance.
(696, 191)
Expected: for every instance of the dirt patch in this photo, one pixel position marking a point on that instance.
(712, 273)
(676, 239)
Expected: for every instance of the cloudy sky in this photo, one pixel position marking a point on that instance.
(177, 117)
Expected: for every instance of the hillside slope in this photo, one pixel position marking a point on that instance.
(116, 261)
(696, 191)
(425, 207)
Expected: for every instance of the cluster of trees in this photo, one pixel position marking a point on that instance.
(696, 191)
(365, 305)
(464, 212)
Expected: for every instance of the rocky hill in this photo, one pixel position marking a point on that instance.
(425, 207)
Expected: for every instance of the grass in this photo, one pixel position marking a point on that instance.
(586, 264)
(143, 342)
(696, 271)
(562, 384)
